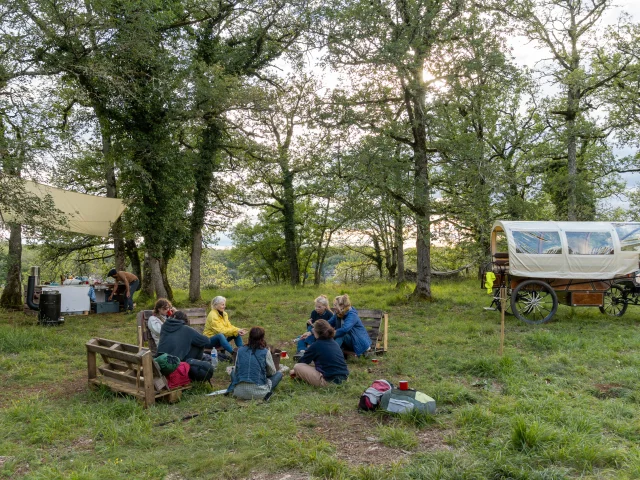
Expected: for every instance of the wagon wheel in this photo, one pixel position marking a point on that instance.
(534, 302)
(498, 304)
(615, 301)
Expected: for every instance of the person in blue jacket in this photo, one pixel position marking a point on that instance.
(350, 332)
(321, 311)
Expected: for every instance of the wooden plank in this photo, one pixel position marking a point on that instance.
(116, 375)
(117, 386)
(587, 299)
(91, 365)
(386, 332)
(134, 358)
(370, 314)
(147, 370)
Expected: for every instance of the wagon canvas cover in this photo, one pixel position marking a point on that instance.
(570, 250)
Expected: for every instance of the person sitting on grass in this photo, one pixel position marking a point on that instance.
(161, 311)
(351, 334)
(321, 311)
(255, 374)
(180, 340)
(327, 357)
(219, 329)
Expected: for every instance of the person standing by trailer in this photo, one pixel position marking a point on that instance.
(131, 284)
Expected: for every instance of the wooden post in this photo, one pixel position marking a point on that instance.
(503, 306)
(386, 331)
(139, 336)
(147, 371)
(92, 371)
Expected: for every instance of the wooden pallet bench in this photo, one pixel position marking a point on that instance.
(377, 324)
(197, 318)
(128, 369)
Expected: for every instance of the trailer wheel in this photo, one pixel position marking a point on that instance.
(534, 302)
(615, 301)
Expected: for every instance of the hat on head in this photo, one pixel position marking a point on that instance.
(112, 272)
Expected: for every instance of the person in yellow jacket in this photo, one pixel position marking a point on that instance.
(218, 327)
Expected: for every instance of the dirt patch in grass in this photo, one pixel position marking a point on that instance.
(610, 390)
(64, 389)
(279, 476)
(355, 439)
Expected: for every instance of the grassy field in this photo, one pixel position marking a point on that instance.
(561, 403)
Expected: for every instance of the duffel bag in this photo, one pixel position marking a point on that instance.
(403, 401)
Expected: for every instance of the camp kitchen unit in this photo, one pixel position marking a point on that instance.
(75, 298)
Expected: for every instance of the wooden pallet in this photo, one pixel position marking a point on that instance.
(376, 323)
(128, 369)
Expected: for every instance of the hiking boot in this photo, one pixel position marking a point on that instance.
(224, 357)
(298, 356)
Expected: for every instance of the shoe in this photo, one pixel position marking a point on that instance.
(268, 396)
(298, 356)
(224, 357)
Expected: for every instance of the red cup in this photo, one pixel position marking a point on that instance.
(403, 385)
(374, 360)
(283, 354)
(292, 374)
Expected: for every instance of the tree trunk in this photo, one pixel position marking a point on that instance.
(165, 279)
(12, 293)
(194, 267)
(204, 182)
(156, 277)
(415, 101)
(148, 288)
(399, 227)
(112, 191)
(132, 252)
(288, 211)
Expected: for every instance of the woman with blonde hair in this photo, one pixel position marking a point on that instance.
(327, 357)
(351, 334)
(321, 311)
(219, 329)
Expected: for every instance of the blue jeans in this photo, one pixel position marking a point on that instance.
(220, 340)
(275, 380)
(237, 339)
(133, 286)
(304, 343)
(345, 342)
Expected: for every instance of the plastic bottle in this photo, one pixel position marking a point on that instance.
(214, 358)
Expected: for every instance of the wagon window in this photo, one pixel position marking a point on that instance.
(629, 235)
(537, 242)
(590, 243)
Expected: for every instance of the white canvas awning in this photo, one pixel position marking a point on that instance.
(570, 250)
(86, 214)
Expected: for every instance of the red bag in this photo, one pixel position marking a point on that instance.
(180, 376)
(370, 399)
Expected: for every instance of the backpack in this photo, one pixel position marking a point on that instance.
(370, 399)
(200, 370)
(403, 401)
(167, 363)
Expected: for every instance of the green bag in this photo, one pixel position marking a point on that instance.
(167, 363)
(403, 401)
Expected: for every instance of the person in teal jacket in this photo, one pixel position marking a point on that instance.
(350, 332)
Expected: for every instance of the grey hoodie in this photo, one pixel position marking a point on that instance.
(180, 340)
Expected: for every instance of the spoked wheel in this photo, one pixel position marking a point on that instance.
(498, 304)
(534, 302)
(615, 301)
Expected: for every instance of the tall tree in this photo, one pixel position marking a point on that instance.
(398, 40)
(567, 28)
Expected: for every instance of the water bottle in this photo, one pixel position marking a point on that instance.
(214, 358)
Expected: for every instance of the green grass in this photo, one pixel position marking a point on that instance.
(562, 401)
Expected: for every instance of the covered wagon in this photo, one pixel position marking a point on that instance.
(543, 263)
